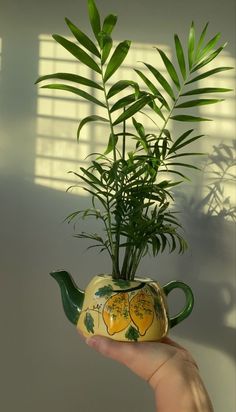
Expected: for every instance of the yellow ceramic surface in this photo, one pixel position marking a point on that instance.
(124, 310)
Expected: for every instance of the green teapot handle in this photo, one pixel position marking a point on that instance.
(189, 300)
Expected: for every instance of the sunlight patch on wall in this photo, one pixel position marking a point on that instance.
(59, 113)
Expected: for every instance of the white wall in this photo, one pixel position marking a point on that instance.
(44, 364)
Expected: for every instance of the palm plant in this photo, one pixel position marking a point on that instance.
(129, 192)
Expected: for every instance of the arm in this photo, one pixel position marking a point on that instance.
(168, 368)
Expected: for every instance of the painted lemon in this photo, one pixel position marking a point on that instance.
(142, 311)
(116, 313)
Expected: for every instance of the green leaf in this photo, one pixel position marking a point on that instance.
(180, 141)
(170, 68)
(134, 108)
(206, 90)
(191, 45)
(83, 38)
(117, 58)
(153, 88)
(182, 165)
(104, 291)
(91, 176)
(156, 109)
(180, 56)
(94, 18)
(199, 102)
(161, 80)
(92, 118)
(201, 40)
(111, 143)
(89, 322)
(148, 82)
(124, 101)
(210, 45)
(132, 334)
(209, 73)
(74, 90)
(187, 118)
(208, 59)
(139, 127)
(187, 154)
(121, 85)
(109, 23)
(107, 46)
(79, 53)
(71, 78)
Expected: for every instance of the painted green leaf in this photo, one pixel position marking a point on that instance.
(82, 38)
(71, 78)
(122, 283)
(88, 119)
(74, 90)
(77, 52)
(132, 334)
(161, 80)
(180, 56)
(187, 118)
(109, 23)
(94, 18)
(191, 45)
(117, 58)
(134, 108)
(170, 68)
(199, 102)
(206, 90)
(89, 322)
(209, 73)
(104, 291)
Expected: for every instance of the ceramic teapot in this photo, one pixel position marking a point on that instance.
(123, 310)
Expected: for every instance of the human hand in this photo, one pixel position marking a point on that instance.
(149, 360)
(168, 368)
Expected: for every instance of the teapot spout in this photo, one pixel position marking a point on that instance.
(72, 296)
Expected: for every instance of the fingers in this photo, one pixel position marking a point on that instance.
(143, 358)
(121, 351)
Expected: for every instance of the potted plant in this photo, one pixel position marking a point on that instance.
(130, 194)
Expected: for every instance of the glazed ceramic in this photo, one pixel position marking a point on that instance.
(122, 310)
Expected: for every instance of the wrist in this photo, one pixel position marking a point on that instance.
(179, 387)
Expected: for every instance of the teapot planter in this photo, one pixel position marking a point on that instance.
(123, 310)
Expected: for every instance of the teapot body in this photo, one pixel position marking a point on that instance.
(124, 310)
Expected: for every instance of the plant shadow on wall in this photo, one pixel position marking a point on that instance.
(212, 221)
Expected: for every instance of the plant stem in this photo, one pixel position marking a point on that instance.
(114, 245)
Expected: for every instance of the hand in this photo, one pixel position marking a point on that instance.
(166, 366)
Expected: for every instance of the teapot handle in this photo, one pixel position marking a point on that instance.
(189, 301)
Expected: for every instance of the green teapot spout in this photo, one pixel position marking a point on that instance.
(72, 296)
